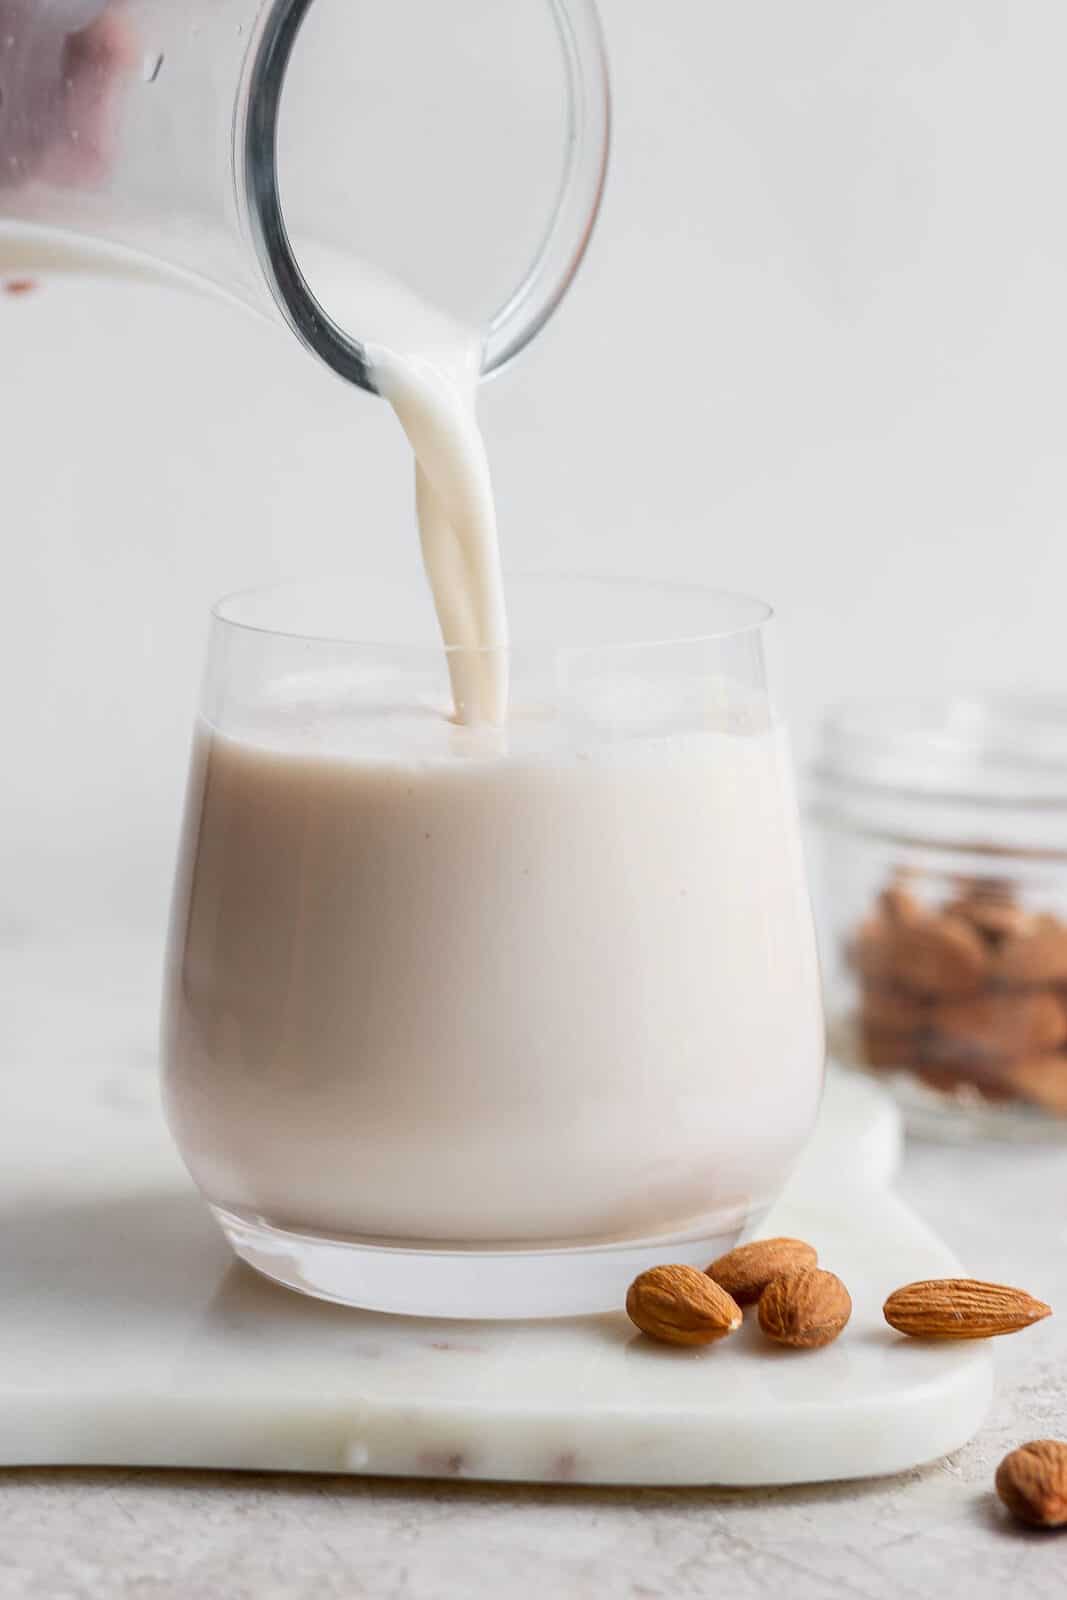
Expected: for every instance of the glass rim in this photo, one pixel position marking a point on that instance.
(754, 614)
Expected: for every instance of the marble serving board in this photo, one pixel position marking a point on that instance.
(130, 1336)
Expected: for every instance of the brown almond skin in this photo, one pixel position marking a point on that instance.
(996, 918)
(805, 1310)
(1032, 1482)
(891, 1023)
(1042, 1080)
(1036, 955)
(679, 1305)
(900, 905)
(870, 952)
(997, 1024)
(940, 955)
(886, 1047)
(746, 1271)
(893, 1009)
(961, 1308)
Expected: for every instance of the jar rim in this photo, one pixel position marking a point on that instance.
(990, 749)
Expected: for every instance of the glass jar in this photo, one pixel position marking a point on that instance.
(943, 826)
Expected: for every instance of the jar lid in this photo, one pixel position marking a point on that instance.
(993, 750)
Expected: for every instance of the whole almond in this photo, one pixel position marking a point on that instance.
(891, 1022)
(994, 917)
(679, 1305)
(870, 951)
(745, 1272)
(1038, 954)
(900, 905)
(1032, 1482)
(1041, 1080)
(886, 1047)
(894, 1010)
(939, 955)
(805, 1309)
(997, 1024)
(961, 1308)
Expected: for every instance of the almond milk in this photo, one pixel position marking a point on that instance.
(514, 975)
(427, 989)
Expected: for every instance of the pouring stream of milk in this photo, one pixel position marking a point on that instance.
(435, 402)
(427, 367)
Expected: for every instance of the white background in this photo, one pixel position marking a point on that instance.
(817, 352)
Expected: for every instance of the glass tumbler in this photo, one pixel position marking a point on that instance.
(482, 1021)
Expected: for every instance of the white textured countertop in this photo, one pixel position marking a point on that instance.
(127, 1535)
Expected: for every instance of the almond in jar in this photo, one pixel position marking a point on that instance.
(943, 903)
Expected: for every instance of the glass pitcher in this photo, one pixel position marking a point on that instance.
(145, 136)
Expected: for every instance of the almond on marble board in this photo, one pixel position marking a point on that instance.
(1032, 1483)
(806, 1309)
(961, 1308)
(998, 1023)
(1036, 955)
(747, 1270)
(679, 1305)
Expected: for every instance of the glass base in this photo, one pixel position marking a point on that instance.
(475, 1283)
(957, 1118)
(953, 1116)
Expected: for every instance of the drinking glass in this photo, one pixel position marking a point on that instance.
(482, 1021)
